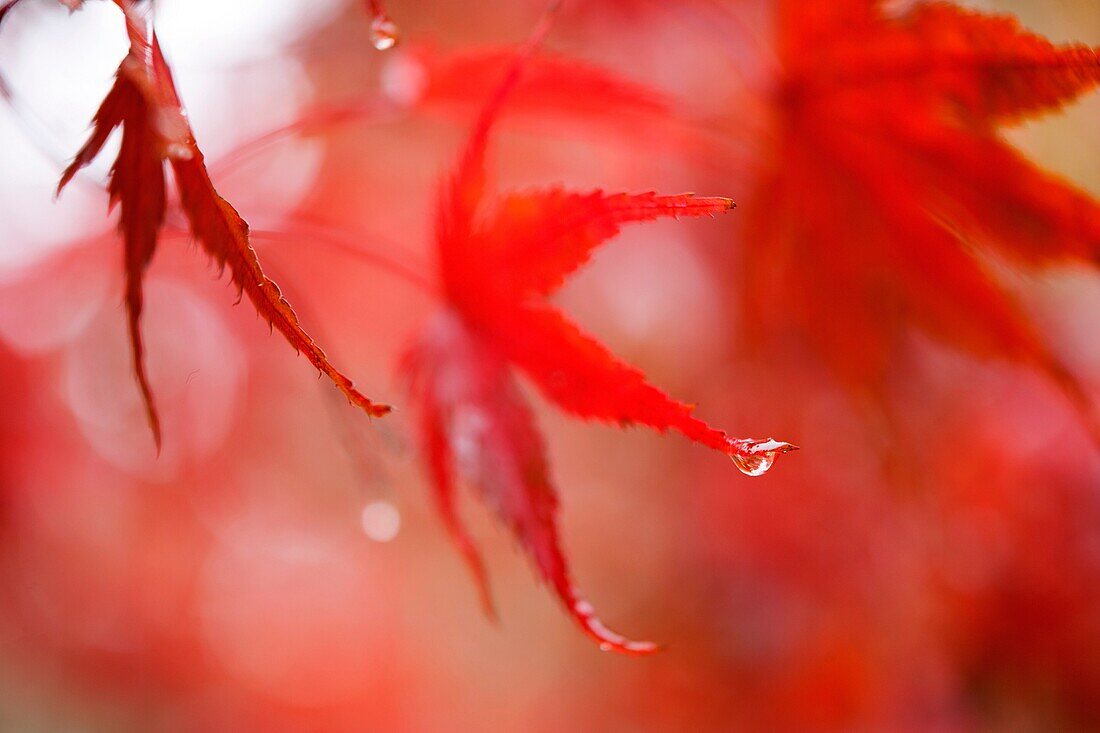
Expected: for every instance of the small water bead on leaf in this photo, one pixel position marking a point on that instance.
(179, 151)
(384, 33)
(500, 259)
(755, 457)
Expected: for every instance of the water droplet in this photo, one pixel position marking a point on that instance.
(755, 457)
(381, 521)
(180, 151)
(605, 646)
(384, 33)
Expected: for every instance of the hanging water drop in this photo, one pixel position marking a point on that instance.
(755, 457)
(381, 521)
(384, 33)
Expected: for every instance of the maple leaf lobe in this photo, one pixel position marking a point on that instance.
(143, 101)
(498, 262)
(888, 186)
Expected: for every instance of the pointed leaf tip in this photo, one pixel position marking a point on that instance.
(608, 640)
(143, 102)
(494, 262)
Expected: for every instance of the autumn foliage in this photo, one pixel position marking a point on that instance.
(888, 136)
(901, 290)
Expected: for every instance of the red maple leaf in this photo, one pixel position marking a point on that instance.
(550, 85)
(888, 184)
(144, 103)
(497, 265)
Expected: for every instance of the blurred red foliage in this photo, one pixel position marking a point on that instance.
(935, 569)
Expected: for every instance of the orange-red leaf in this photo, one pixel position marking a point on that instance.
(550, 85)
(224, 235)
(137, 186)
(537, 238)
(144, 103)
(888, 185)
(994, 67)
(476, 424)
(582, 376)
(496, 263)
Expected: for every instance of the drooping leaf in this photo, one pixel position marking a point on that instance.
(475, 423)
(224, 235)
(144, 103)
(137, 185)
(497, 262)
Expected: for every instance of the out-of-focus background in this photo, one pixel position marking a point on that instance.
(280, 568)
